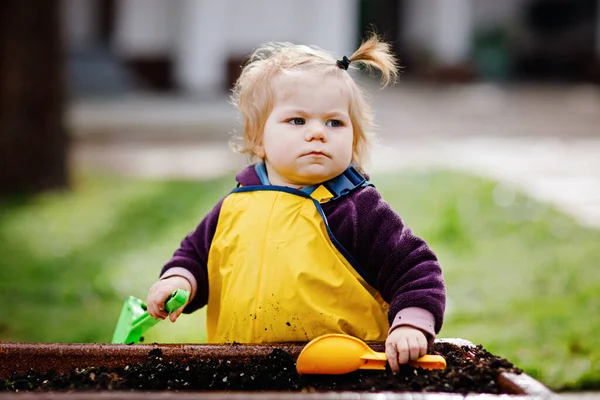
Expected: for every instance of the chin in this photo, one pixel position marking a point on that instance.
(312, 176)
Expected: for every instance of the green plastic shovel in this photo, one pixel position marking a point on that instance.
(134, 320)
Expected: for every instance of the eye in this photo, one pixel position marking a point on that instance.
(296, 121)
(334, 123)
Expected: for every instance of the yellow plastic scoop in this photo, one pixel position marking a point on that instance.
(335, 353)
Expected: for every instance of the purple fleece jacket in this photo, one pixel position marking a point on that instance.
(405, 271)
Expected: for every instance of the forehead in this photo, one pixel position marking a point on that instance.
(310, 89)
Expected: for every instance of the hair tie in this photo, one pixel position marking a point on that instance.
(344, 63)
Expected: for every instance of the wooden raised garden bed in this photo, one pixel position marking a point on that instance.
(153, 371)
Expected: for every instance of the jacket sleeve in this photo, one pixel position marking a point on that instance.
(406, 271)
(192, 256)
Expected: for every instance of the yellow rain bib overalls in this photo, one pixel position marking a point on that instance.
(277, 274)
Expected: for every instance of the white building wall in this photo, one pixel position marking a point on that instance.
(329, 24)
(252, 22)
(80, 23)
(446, 27)
(212, 31)
(452, 38)
(145, 28)
(333, 25)
(417, 25)
(441, 27)
(202, 45)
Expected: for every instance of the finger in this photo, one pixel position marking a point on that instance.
(392, 355)
(175, 314)
(162, 298)
(403, 351)
(413, 348)
(422, 345)
(151, 302)
(151, 312)
(149, 307)
(155, 312)
(162, 314)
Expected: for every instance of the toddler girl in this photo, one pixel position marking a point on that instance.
(305, 245)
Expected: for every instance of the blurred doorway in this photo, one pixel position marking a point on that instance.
(559, 41)
(383, 17)
(103, 53)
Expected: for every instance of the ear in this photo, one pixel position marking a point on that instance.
(259, 150)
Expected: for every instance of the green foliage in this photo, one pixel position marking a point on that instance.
(69, 260)
(522, 278)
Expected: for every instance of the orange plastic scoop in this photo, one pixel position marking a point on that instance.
(335, 353)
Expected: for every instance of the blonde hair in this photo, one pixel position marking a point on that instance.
(253, 92)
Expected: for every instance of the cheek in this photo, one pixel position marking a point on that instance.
(281, 139)
(276, 147)
(348, 144)
(270, 143)
(267, 139)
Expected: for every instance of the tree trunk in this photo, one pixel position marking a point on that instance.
(33, 139)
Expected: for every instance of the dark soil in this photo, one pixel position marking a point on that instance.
(469, 370)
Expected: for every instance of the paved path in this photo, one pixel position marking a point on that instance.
(566, 174)
(543, 140)
(579, 396)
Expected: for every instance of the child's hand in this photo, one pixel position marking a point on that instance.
(404, 344)
(160, 292)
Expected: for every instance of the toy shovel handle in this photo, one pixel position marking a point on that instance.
(176, 300)
(429, 361)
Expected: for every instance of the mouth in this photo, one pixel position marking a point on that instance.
(315, 153)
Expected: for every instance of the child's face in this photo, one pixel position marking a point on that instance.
(308, 136)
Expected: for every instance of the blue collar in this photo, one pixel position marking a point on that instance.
(261, 171)
(339, 186)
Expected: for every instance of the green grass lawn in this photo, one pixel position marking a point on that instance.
(523, 280)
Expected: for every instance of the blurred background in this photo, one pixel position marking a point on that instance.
(114, 132)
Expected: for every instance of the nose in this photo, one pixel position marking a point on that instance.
(315, 131)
